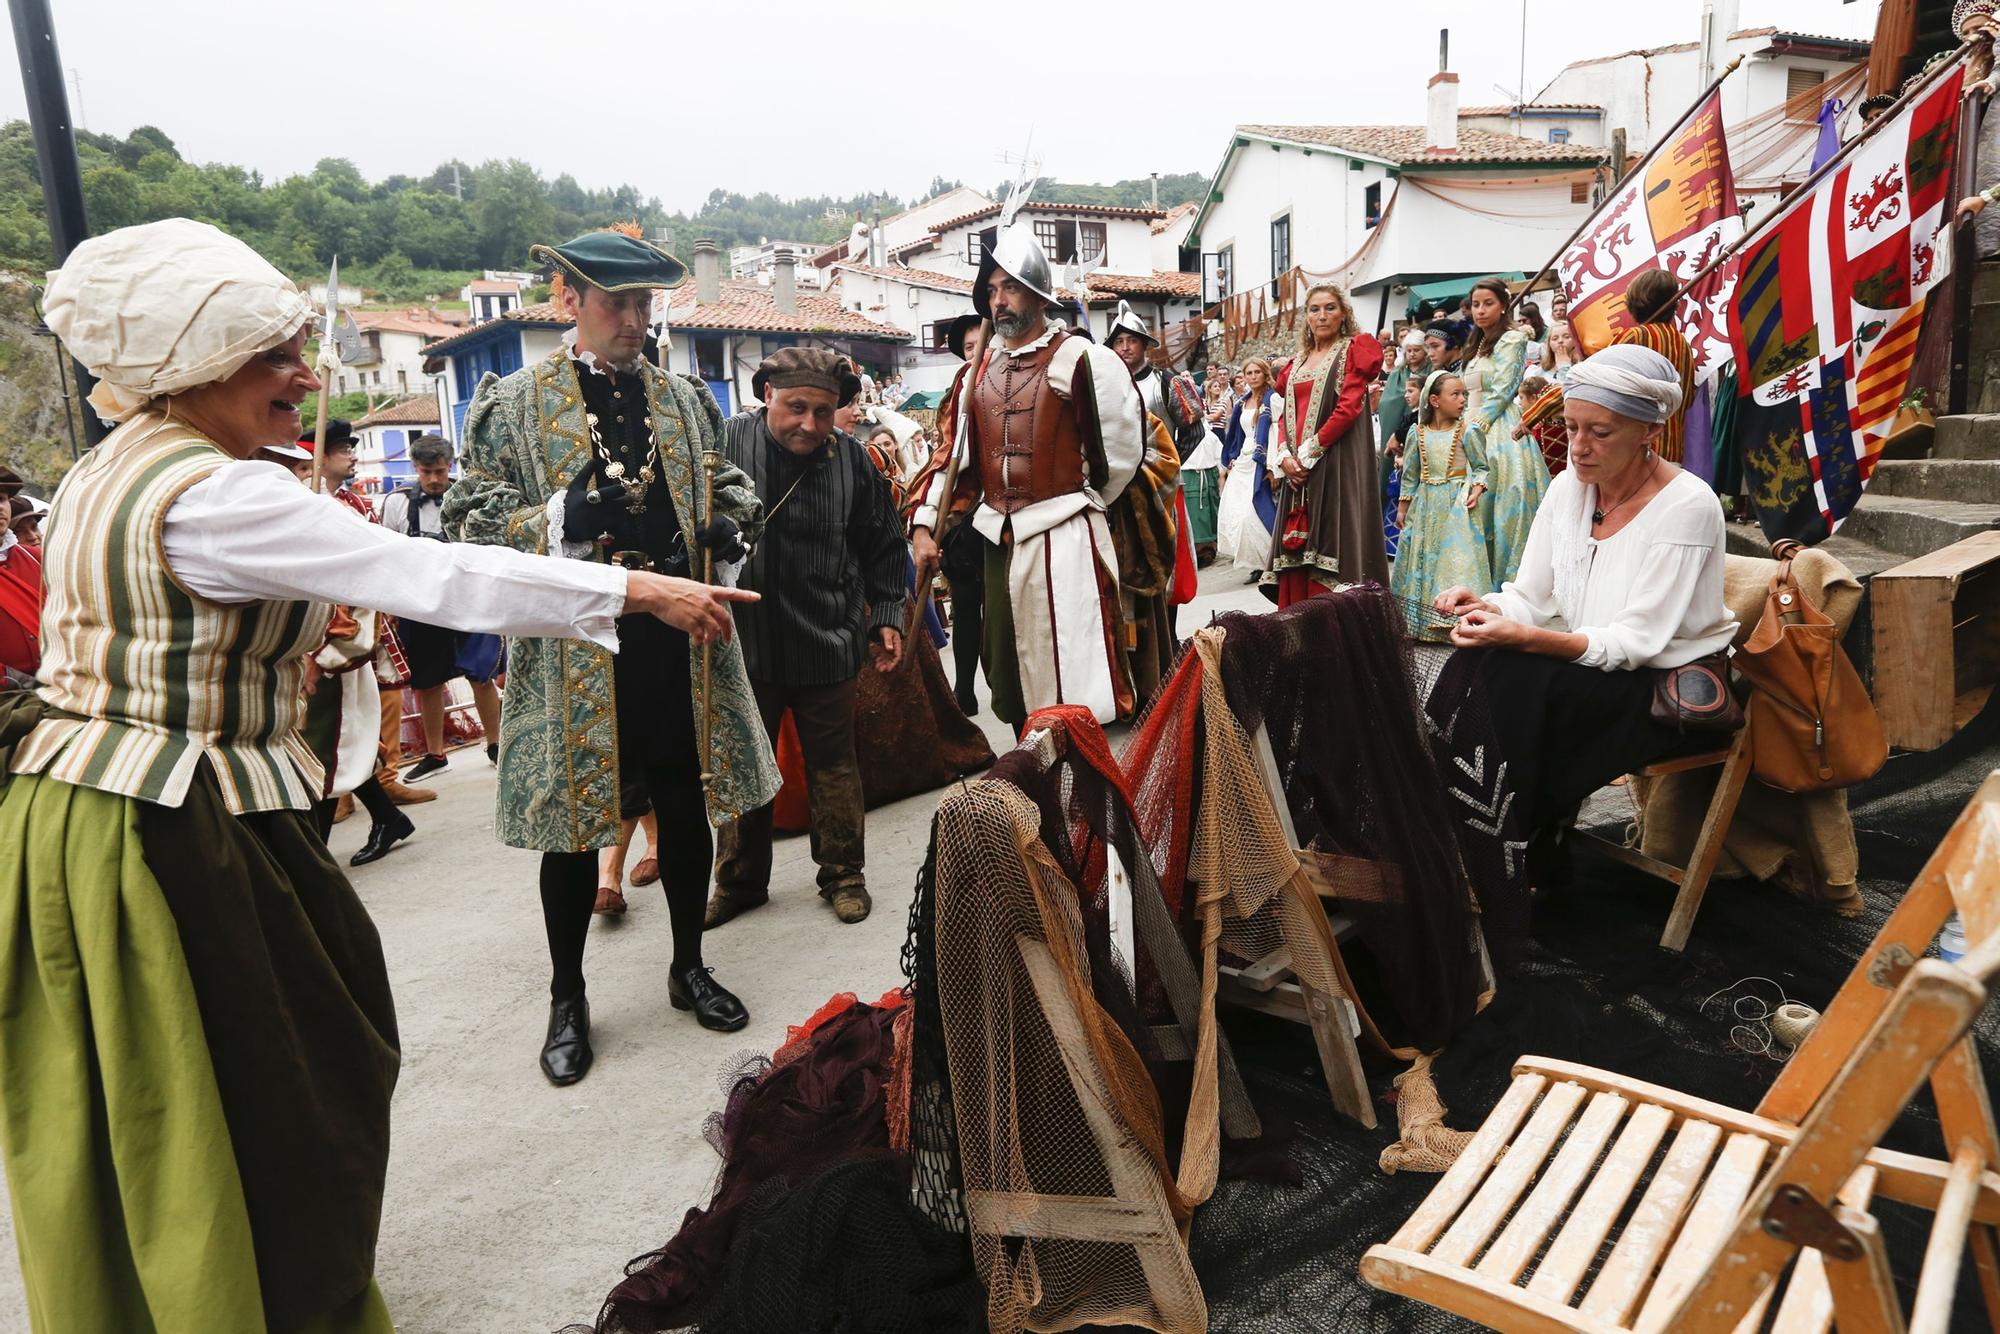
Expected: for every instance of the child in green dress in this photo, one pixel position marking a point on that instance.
(1443, 511)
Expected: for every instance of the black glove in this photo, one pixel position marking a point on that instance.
(594, 507)
(721, 536)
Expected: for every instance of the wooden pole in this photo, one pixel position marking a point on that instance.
(1618, 173)
(1965, 250)
(1804, 192)
(710, 461)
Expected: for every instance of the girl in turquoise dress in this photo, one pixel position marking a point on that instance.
(1443, 510)
(1517, 478)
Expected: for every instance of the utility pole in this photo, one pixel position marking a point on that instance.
(457, 185)
(55, 152)
(76, 83)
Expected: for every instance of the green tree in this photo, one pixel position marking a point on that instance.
(512, 213)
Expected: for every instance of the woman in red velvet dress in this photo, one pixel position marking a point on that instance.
(1329, 531)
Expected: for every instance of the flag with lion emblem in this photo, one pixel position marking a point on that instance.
(1824, 315)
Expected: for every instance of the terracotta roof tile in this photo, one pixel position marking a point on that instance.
(1406, 145)
(1159, 283)
(1036, 206)
(919, 277)
(1175, 214)
(748, 307)
(422, 323)
(417, 410)
(1530, 107)
(543, 314)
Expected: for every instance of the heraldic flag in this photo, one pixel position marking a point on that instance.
(1678, 213)
(1825, 312)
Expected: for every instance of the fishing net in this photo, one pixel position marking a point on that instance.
(1073, 1208)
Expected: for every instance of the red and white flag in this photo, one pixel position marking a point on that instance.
(1826, 307)
(1677, 213)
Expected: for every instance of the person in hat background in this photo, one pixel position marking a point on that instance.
(197, 1041)
(438, 655)
(955, 547)
(594, 453)
(1056, 432)
(344, 713)
(1147, 524)
(833, 571)
(20, 589)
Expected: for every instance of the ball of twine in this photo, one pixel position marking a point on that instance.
(1792, 1023)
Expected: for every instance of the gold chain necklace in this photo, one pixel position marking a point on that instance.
(615, 468)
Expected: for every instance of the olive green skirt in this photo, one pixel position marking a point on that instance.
(158, 1065)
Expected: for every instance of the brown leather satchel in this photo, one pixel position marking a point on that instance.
(1812, 725)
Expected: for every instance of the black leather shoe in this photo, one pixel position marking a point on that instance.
(493, 753)
(714, 1005)
(385, 834)
(425, 767)
(566, 1054)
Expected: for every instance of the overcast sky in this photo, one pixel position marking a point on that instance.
(680, 99)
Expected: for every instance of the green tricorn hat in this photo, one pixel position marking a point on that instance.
(613, 261)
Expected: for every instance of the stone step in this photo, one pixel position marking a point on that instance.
(1986, 284)
(1863, 560)
(1915, 527)
(1975, 480)
(1972, 435)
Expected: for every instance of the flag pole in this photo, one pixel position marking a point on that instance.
(1965, 252)
(1661, 142)
(1804, 192)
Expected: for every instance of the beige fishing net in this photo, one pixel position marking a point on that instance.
(1074, 1214)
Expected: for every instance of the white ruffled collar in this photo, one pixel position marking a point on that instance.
(7, 541)
(587, 359)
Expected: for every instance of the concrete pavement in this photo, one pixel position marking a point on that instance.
(514, 1206)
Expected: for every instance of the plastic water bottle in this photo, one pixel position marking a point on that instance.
(1951, 940)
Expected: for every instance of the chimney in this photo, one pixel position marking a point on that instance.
(784, 292)
(1441, 120)
(707, 273)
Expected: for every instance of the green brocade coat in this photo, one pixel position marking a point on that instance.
(525, 439)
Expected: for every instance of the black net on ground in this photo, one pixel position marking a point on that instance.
(1590, 985)
(1331, 680)
(936, 1188)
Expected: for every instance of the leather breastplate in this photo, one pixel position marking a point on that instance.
(1028, 443)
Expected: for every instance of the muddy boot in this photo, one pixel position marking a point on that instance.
(850, 902)
(727, 903)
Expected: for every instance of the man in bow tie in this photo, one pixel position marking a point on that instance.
(437, 655)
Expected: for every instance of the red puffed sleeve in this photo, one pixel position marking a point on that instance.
(1364, 363)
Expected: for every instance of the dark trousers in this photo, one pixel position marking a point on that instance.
(824, 716)
(964, 561)
(369, 794)
(569, 879)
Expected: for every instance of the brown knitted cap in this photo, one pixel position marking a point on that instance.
(811, 367)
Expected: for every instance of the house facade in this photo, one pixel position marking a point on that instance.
(1770, 105)
(754, 263)
(382, 449)
(1386, 209)
(492, 296)
(718, 330)
(393, 352)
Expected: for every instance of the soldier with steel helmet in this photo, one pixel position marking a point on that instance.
(1053, 432)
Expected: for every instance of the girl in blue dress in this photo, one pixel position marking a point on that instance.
(1443, 510)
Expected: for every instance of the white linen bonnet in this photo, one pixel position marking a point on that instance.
(165, 306)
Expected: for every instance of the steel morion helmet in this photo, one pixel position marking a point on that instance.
(1016, 253)
(1130, 321)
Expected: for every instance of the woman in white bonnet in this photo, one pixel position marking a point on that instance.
(1622, 572)
(197, 1042)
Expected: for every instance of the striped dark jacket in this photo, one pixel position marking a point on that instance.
(832, 564)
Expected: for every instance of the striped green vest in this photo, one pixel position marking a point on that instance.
(159, 678)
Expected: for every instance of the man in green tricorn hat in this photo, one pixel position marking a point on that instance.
(595, 453)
